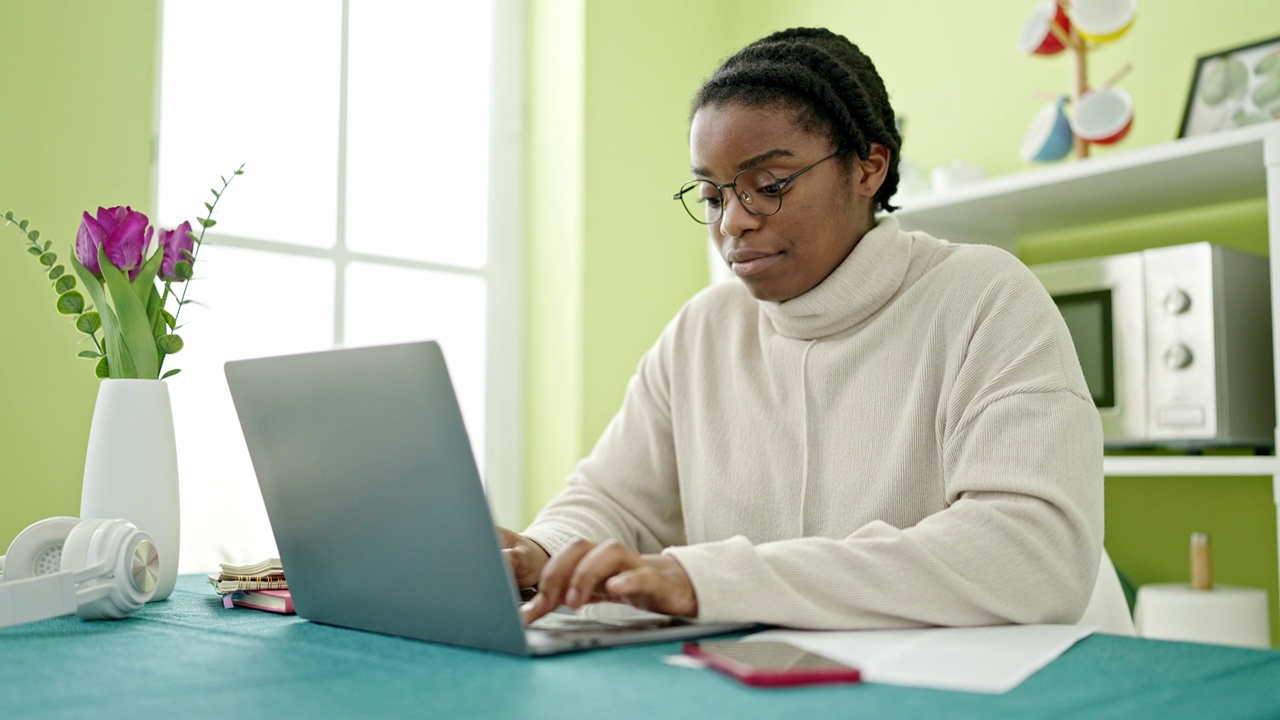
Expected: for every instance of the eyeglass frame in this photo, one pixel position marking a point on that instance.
(779, 182)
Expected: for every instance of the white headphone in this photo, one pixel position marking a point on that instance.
(97, 569)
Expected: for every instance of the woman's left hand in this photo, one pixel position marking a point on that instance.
(586, 572)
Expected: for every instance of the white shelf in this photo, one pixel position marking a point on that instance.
(1188, 173)
(1170, 466)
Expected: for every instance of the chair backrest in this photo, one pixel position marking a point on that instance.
(1108, 610)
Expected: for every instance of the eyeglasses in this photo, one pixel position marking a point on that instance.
(759, 191)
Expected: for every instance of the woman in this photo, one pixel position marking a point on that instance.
(872, 429)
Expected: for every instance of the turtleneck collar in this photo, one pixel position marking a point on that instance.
(857, 288)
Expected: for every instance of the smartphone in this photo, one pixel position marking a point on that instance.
(768, 663)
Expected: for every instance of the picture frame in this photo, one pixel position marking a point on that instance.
(1233, 88)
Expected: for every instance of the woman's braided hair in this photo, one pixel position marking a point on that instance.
(832, 85)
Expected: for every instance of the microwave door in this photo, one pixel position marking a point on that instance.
(1102, 301)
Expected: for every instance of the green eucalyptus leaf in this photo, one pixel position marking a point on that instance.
(187, 254)
(48, 244)
(8, 215)
(57, 272)
(192, 237)
(65, 283)
(208, 222)
(34, 235)
(89, 354)
(240, 172)
(169, 344)
(209, 208)
(48, 259)
(22, 225)
(70, 303)
(169, 319)
(224, 181)
(183, 269)
(171, 373)
(139, 359)
(89, 323)
(35, 251)
(215, 192)
(102, 369)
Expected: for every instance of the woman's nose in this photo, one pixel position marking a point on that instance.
(736, 220)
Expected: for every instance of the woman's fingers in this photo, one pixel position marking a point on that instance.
(587, 583)
(585, 572)
(659, 584)
(525, 557)
(555, 580)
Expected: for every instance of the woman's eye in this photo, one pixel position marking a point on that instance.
(771, 189)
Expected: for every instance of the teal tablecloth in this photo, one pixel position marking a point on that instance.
(189, 658)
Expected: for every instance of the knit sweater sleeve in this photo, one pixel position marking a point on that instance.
(626, 488)
(1020, 536)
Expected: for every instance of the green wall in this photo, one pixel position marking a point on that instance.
(75, 133)
(611, 256)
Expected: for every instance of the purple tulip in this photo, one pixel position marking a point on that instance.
(177, 246)
(122, 233)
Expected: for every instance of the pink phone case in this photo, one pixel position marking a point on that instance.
(771, 677)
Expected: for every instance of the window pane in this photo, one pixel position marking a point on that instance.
(392, 304)
(254, 83)
(418, 130)
(254, 303)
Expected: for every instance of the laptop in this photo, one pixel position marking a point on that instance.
(378, 511)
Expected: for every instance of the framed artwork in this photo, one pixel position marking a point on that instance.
(1234, 88)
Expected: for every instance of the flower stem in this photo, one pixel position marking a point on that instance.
(195, 252)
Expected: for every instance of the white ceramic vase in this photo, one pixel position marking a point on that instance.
(131, 467)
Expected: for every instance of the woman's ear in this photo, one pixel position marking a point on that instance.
(872, 171)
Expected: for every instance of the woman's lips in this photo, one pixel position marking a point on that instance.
(753, 263)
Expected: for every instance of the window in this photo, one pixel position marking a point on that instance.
(369, 130)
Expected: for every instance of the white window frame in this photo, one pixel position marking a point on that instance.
(503, 272)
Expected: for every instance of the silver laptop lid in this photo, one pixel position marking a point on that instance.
(373, 494)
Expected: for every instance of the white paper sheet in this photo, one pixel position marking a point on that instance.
(991, 659)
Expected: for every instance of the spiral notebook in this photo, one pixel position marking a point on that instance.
(364, 464)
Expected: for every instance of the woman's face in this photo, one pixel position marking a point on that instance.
(825, 211)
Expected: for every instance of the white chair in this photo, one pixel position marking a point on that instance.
(1108, 610)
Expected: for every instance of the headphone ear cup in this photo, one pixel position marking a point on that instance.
(38, 549)
(116, 568)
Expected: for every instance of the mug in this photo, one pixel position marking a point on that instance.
(1103, 116)
(1048, 137)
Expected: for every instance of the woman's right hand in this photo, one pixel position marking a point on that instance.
(525, 557)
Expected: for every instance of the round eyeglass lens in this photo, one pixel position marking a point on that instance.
(757, 190)
(701, 200)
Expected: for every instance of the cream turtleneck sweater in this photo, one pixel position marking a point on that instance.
(909, 443)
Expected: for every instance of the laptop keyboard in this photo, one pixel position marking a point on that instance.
(569, 623)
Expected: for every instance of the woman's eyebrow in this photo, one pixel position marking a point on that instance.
(751, 162)
(765, 157)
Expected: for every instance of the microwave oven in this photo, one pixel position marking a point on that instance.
(1175, 344)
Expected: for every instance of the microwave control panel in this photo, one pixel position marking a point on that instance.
(1208, 343)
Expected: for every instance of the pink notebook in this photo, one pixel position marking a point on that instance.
(278, 601)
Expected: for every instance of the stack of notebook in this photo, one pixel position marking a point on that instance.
(261, 586)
